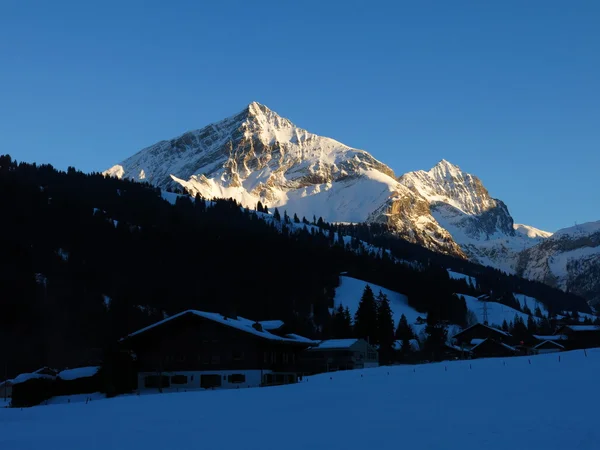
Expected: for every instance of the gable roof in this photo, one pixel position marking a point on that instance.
(494, 342)
(552, 343)
(504, 333)
(238, 323)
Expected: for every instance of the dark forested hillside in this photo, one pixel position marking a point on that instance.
(86, 259)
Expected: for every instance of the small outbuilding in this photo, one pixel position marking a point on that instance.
(339, 354)
(548, 347)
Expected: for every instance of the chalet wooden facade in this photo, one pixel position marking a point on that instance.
(339, 354)
(196, 349)
(491, 348)
(480, 341)
(580, 336)
(481, 331)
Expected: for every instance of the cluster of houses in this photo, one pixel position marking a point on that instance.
(483, 341)
(197, 349)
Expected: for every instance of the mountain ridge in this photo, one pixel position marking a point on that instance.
(257, 155)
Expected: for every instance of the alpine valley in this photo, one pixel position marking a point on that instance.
(257, 155)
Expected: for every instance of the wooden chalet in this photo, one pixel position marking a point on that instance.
(480, 331)
(339, 354)
(580, 336)
(490, 348)
(197, 349)
(548, 347)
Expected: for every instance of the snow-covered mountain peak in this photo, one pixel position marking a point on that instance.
(531, 232)
(447, 183)
(445, 170)
(579, 230)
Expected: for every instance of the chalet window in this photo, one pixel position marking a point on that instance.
(237, 355)
(179, 379)
(215, 359)
(210, 381)
(155, 381)
(237, 378)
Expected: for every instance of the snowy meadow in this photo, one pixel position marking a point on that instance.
(543, 402)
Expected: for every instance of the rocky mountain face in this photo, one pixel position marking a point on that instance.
(569, 260)
(258, 155)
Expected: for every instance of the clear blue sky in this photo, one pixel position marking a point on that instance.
(508, 90)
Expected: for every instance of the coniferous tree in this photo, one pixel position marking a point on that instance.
(365, 319)
(296, 219)
(286, 218)
(532, 325)
(505, 326)
(437, 334)
(538, 312)
(276, 215)
(348, 322)
(404, 330)
(342, 323)
(406, 348)
(385, 328)
(259, 207)
(305, 221)
(265, 209)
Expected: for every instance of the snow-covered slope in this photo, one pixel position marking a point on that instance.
(496, 312)
(540, 402)
(350, 290)
(257, 155)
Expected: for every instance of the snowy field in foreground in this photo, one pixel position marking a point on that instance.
(543, 405)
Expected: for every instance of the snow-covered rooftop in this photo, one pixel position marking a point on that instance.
(583, 327)
(554, 337)
(499, 343)
(80, 372)
(22, 378)
(482, 325)
(299, 338)
(541, 344)
(239, 323)
(331, 344)
(271, 325)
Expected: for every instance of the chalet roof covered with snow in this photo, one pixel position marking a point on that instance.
(22, 378)
(496, 342)
(581, 328)
(335, 344)
(553, 337)
(547, 344)
(239, 323)
(80, 372)
(482, 325)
